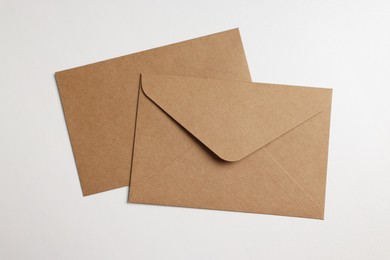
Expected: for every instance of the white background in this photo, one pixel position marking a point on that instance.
(340, 44)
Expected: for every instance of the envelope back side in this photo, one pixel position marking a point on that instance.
(100, 100)
(231, 145)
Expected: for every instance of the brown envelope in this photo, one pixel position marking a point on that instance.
(99, 100)
(231, 145)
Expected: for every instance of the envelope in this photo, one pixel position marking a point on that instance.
(231, 145)
(100, 100)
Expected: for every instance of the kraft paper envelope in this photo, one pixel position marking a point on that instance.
(100, 100)
(231, 145)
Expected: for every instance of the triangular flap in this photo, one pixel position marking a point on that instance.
(233, 118)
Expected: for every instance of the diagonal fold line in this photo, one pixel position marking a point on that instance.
(200, 185)
(159, 171)
(292, 179)
(288, 131)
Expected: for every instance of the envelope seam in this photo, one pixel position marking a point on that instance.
(150, 177)
(292, 179)
(200, 184)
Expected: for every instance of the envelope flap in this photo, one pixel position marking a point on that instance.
(232, 118)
